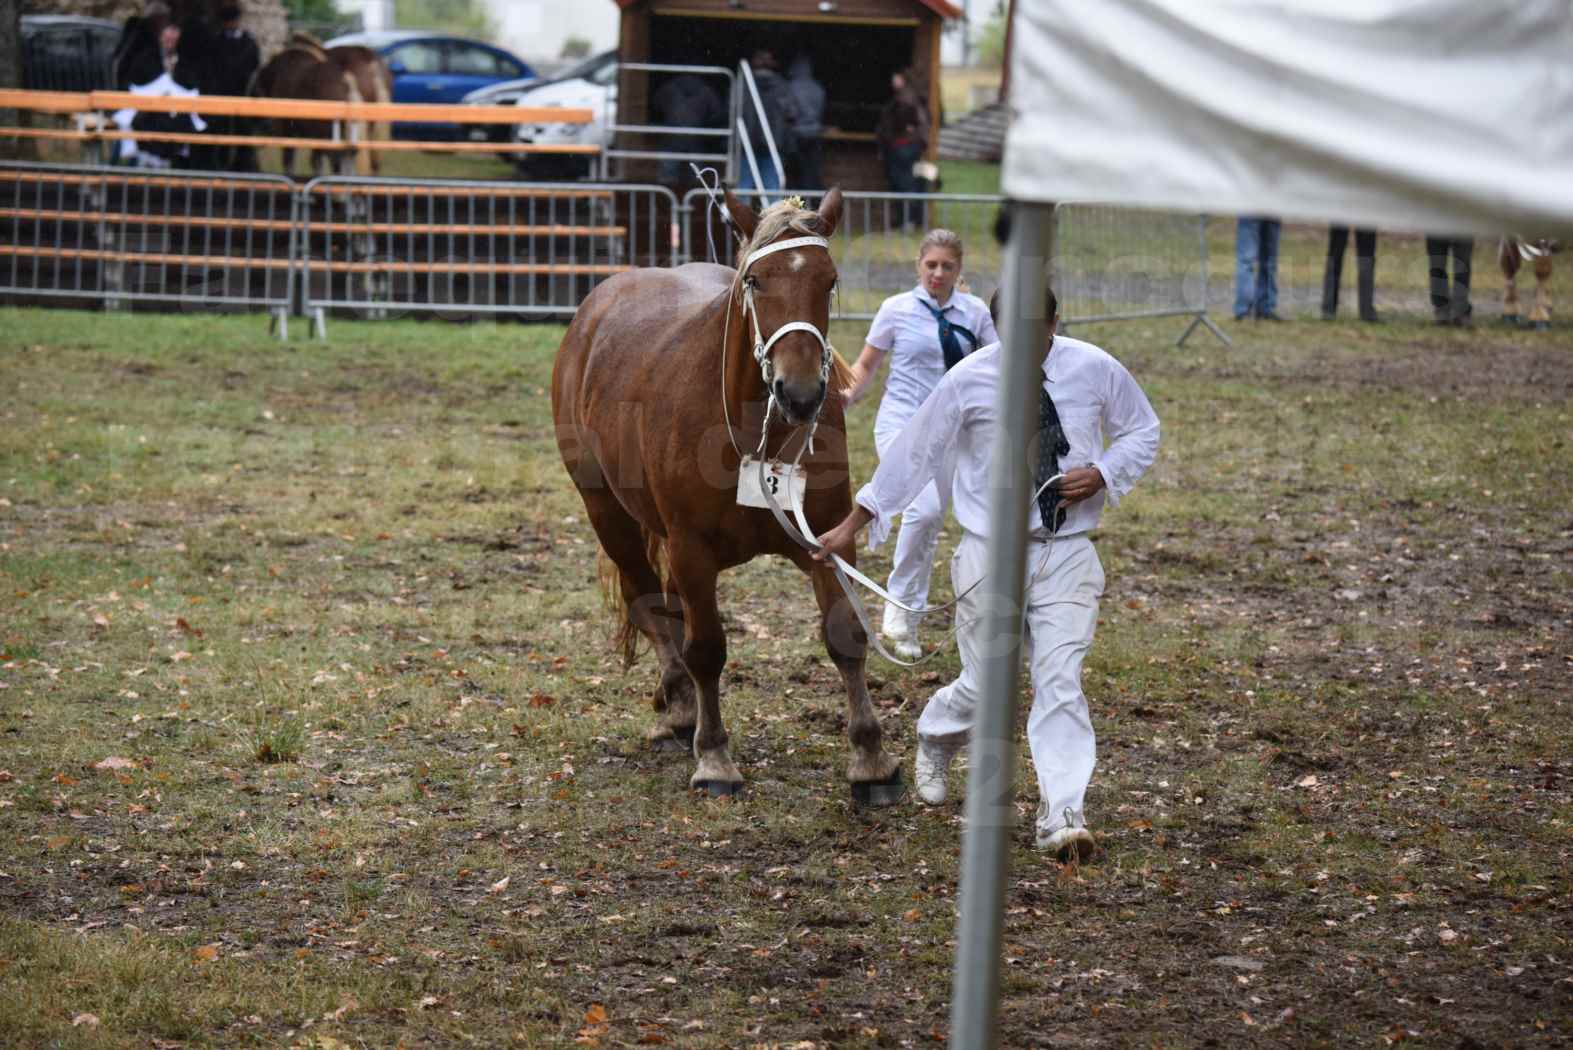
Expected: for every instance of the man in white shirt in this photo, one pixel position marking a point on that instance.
(1104, 438)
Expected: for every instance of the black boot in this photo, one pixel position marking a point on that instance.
(1330, 278)
(1365, 280)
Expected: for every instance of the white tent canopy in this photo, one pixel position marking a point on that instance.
(1436, 115)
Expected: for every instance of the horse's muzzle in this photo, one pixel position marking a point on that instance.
(800, 402)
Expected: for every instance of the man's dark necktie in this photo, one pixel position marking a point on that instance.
(948, 343)
(1051, 446)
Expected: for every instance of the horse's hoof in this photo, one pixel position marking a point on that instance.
(680, 739)
(885, 792)
(719, 788)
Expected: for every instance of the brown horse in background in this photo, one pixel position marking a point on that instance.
(654, 392)
(1511, 254)
(375, 83)
(303, 70)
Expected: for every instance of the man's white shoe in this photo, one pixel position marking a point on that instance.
(1069, 844)
(930, 769)
(1070, 841)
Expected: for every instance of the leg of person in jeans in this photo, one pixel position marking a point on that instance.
(1267, 279)
(1247, 237)
(1333, 271)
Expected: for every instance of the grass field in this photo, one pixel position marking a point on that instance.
(311, 734)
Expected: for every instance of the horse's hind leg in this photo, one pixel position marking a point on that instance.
(1508, 259)
(651, 611)
(874, 774)
(1540, 316)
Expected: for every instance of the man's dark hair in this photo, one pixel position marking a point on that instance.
(229, 13)
(1051, 304)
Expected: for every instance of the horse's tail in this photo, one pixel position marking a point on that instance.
(615, 588)
(381, 92)
(352, 95)
(840, 372)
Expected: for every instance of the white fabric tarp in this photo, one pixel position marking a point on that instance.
(1448, 116)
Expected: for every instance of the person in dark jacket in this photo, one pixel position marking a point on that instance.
(809, 94)
(780, 112)
(237, 61)
(902, 134)
(687, 101)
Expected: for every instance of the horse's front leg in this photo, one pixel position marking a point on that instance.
(874, 774)
(694, 571)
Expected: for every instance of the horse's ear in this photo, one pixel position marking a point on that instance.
(830, 211)
(743, 216)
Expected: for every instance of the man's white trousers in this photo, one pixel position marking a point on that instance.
(1064, 583)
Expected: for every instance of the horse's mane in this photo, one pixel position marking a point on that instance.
(773, 222)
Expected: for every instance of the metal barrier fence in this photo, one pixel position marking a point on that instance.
(378, 248)
(461, 250)
(118, 236)
(1110, 263)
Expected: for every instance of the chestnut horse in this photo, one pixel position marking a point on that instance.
(661, 380)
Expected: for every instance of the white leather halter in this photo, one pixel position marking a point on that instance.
(762, 346)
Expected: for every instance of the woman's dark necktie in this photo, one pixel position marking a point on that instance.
(949, 345)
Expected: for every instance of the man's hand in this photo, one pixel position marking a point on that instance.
(842, 539)
(1079, 484)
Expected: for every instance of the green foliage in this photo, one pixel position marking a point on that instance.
(576, 47)
(314, 11)
(462, 17)
(991, 40)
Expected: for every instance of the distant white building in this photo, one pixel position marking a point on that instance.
(536, 30)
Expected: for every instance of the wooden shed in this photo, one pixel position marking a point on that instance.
(855, 46)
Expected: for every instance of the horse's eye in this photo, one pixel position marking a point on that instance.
(751, 283)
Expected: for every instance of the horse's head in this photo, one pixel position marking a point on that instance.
(785, 276)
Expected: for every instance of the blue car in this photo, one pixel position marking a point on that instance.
(433, 67)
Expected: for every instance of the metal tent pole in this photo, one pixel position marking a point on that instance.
(990, 783)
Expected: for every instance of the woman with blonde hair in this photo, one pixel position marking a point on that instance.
(926, 331)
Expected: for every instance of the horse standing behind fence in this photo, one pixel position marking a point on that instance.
(655, 391)
(303, 70)
(375, 83)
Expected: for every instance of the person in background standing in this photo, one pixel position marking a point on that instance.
(927, 331)
(780, 110)
(1451, 307)
(903, 137)
(1365, 272)
(809, 94)
(238, 59)
(1256, 268)
(687, 101)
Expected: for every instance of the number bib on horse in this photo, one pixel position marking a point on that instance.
(786, 485)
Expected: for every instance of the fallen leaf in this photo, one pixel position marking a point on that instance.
(114, 762)
(541, 700)
(186, 628)
(1307, 781)
(500, 885)
(206, 953)
(912, 916)
(429, 1001)
(91, 1020)
(596, 1014)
